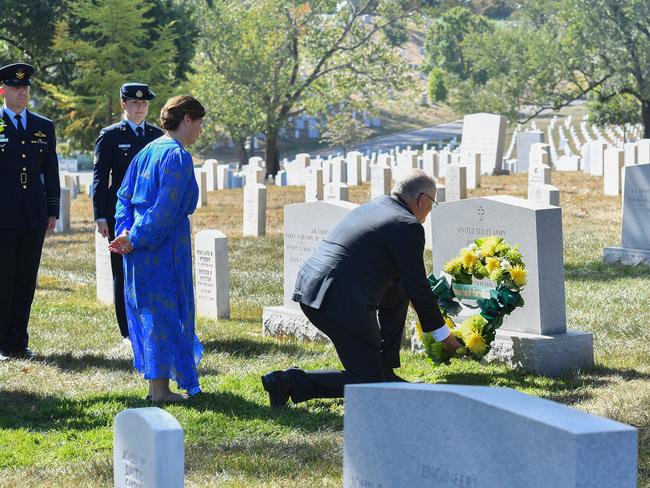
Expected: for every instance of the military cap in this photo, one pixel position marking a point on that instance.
(136, 91)
(17, 74)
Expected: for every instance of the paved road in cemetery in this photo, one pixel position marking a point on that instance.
(414, 138)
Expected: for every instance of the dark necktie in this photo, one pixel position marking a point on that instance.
(139, 131)
(19, 125)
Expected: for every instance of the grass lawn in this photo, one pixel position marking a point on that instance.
(56, 412)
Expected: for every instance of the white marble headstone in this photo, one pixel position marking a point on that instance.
(103, 272)
(211, 274)
(148, 449)
(254, 210)
(485, 134)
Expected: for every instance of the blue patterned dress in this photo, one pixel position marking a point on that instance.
(158, 193)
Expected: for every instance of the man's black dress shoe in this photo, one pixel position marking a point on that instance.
(278, 388)
(24, 353)
(4, 355)
(389, 375)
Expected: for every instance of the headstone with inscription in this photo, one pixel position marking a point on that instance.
(103, 271)
(546, 194)
(254, 210)
(211, 274)
(336, 192)
(515, 440)
(456, 182)
(305, 226)
(485, 134)
(538, 174)
(63, 222)
(148, 449)
(534, 336)
(635, 235)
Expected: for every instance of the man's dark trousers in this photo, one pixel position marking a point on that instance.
(364, 358)
(118, 283)
(20, 255)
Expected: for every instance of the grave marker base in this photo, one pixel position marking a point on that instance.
(629, 257)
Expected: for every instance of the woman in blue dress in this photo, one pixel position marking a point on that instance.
(158, 193)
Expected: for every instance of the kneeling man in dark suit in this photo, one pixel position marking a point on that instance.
(356, 288)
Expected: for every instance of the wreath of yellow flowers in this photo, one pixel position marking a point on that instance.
(491, 258)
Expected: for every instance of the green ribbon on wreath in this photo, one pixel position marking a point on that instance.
(502, 302)
(445, 295)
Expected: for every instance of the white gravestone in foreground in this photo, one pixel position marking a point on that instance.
(481, 437)
(103, 272)
(305, 226)
(485, 134)
(63, 222)
(635, 235)
(254, 210)
(211, 274)
(148, 449)
(534, 336)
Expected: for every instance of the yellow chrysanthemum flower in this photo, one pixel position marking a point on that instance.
(418, 331)
(489, 246)
(518, 275)
(453, 266)
(492, 264)
(475, 342)
(469, 258)
(449, 322)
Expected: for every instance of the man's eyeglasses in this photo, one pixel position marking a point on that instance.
(434, 204)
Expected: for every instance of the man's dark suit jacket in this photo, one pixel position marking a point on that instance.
(115, 148)
(358, 265)
(29, 173)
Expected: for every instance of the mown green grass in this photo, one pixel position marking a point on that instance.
(56, 412)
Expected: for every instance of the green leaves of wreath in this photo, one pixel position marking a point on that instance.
(488, 257)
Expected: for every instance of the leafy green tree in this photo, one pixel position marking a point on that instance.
(620, 110)
(444, 43)
(562, 50)
(344, 130)
(114, 44)
(286, 57)
(437, 88)
(27, 30)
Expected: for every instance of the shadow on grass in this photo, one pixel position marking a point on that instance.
(601, 272)
(42, 413)
(85, 362)
(569, 388)
(247, 348)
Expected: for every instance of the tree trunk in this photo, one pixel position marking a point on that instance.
(645, 115)
(272, 154)
(240, 150)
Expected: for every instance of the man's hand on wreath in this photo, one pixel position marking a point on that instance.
(450, 343)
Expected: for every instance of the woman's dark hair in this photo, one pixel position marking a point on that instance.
(176, 108)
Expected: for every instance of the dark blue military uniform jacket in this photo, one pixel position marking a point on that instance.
(29, 173)
(116, 146)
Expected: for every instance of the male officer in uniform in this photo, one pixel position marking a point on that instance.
(29, 198)
(115, 148)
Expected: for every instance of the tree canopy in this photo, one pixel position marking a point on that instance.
(559, 51)
(265, 61)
